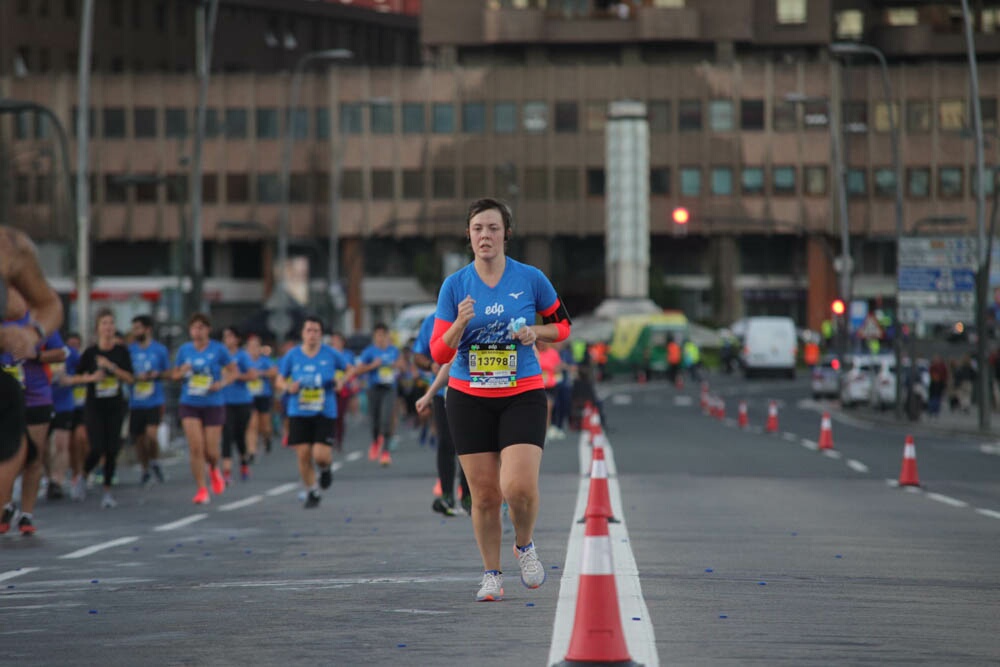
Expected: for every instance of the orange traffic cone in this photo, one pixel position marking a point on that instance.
(437, 488)
(744, 420)
(641, 377)
(599, 497)
(720, 408)
(597, 636)
(825, 432)
(908, 473)
(679, 381)
(594, 425)
(704, 398)
(772, 418)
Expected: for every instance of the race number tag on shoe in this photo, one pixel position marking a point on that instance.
(492, 366)
(311, 400)
(198, 385)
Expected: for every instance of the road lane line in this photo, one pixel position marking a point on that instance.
(993, 514)
(809, 444)
(832, 454)
(246, 502)
(790, 437)
(730, 422)
(354, 456)
(4, 576)
(683, 401)
(80, 553)
(284, 488)
(180, 523)
(857, 466)
(947, 500)
(335, 466)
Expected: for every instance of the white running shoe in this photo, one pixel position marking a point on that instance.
(532, 570)
(108, 501)
(78, 490)
(491, 588)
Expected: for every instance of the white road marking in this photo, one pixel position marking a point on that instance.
(683, 401)
(420, 612)
(335, 466)
(990, 449)
(947, 500)
(284, 488)
(892, 482)
(4, 576)
(756, 430)
(730, 422)
(857, 466)
(354, 456)
(246, 502)
(309, 584)
(993, 514)
(790, 437)
(180, 523)
(832, 453)
(621, 399)
(80, 553)
(809, 444)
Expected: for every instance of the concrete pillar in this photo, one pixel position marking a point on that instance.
(728, 302)
(822, 278)
(352, 266)
(538, 253)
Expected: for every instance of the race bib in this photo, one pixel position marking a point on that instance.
(144, 390)
(79, 396)
(107, 388)
(198, 385)
(16, 372)
(311, 400)
(493, 366)
(256, 387)
(386, 375)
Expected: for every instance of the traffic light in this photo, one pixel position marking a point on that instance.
(837, 307)
(681, 216)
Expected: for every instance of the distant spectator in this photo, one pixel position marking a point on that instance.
(939, 380)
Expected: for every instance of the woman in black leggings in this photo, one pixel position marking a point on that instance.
(104, 368)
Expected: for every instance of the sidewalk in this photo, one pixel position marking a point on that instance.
(947, 422)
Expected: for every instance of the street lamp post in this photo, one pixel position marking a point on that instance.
(286, 167)
(854, 48)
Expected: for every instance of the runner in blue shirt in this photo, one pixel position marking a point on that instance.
(150, 363)
(239, 406)
(262, 391)
(382, 362)
(307, 374)
(205, 367)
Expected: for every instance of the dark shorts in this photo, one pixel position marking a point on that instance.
(552, 392)
(77, 417)
(489, 424)
(310, 430)
(143, 418)
(212, 415)
(12, 421)
(63, 421)
(39, 414)
(262, 403)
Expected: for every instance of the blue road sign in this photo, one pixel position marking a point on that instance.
(924, 279)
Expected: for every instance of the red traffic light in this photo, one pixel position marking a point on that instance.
(838, 307)
(681, 215)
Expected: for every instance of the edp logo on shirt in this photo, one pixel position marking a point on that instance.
(495, 309)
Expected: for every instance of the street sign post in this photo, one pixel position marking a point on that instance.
(937, 279)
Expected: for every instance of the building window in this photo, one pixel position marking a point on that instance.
(137, 13)
(320, 187)
(382, 185)
(918, 116)
(322, 123)
(536, 184)
(790, 12)
(949, 182)
(43, 127)
(413, 118)
(752, 114)
(904, 16)
(114, 191)
(567, 183)
(175, 123)
(505, 180)
(443, 118)
(988, 109)
(237, 188)
(236, 123)
(595, 181)
(473, 117)
(815, 180)
(855, 114)
(785, 116)
(113, 123)
(720, 115)
(752, 180)
(268, 188)
(596, 116)
(690, 181)
(504, 118)
(857, 182)
(413, 184)
(990, 174)
(885, 183)
(350, 118)
(22, 189)
(918, 182)
(658, 112)
(443, 183)
(213, 123)
(536, 117)
(267, 123)
(816, 115)
(567, 117)
(882, 116)
(44, 60)
(22, 124)
(69, 8)
(659, 181)
(474, 182)
(148, 190)
(783, 180)
(160, 17)
(351, 186)
(145, 122)
(177, 188)
(381, 118)
(951, 115)
(209, 188)
(722, 181)
(299, 119)
(850, 24)
(689, 115)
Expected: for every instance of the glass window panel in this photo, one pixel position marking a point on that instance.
(443, 121)
(176, 122)
(177, 188)
(949, 182)
(268, 188)
(752, 180)
(567, 183)
(816, 115)
(855, 117)
(815, 179)
(381, 118)
(752, 114)
(145, 122)
(22, 189)
(114, 192)
(320, 187)
(595, 181)
(322, 123)
(114, 123)
(785, 116)
(473, 117)
(536, 184)
(567, 117)
(918, 116)
(882, 116)
(783, 180)
(720, 115)
(43, 129)
(213, 123)
(689, 115)
(791, 12)
(595, 116)
(413, 118)
(504, 117)
(237, 188)
(990, 174)
(988, 109)
(22, 124)
(690, 181)
(209, 188)
(147, 192)
(918, 182)
(413, 184)
(884, 182)
(443, 183)
(382, 184)
(857, 182)
(300, 124)
(659, 115)
(952, 115)
(722, 181)
(237, 121)
(351, 185)
(267, 123)
(505, 180)
(659, 181)
(298, 188)
(473, 182)
(350, 118)
(536, 117)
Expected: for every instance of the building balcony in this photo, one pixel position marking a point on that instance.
(645, 24)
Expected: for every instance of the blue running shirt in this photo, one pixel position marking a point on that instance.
(154, 357)
(385, 374)
(317, 390)
(236, 392)
(206, 369)
(422, 345)
(261, 387)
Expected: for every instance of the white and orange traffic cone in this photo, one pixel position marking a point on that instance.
(599, 495)
(598, 636)
(720, 408)
(744, 420)
(772, 418)
(704, 398)
(908, 473)
(594, 425)
(825, 432)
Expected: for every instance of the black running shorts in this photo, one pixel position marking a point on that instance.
(62, 421)
(310, 430)
(481, 424)
(262, 404)
(142, 418)
(12, 419)
(39, 414)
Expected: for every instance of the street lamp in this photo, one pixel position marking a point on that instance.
(855, 48)
(286, 166)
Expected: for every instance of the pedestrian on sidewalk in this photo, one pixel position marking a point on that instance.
(939, 380)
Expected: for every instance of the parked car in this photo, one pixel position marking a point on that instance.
(883, 395)
(856, 381)
(770, 344)
(826, 377)
(406, 326)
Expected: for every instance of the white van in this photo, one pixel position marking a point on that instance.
(406, 326)
(769, 345)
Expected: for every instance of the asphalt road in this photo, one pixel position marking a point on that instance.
(750, 549)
